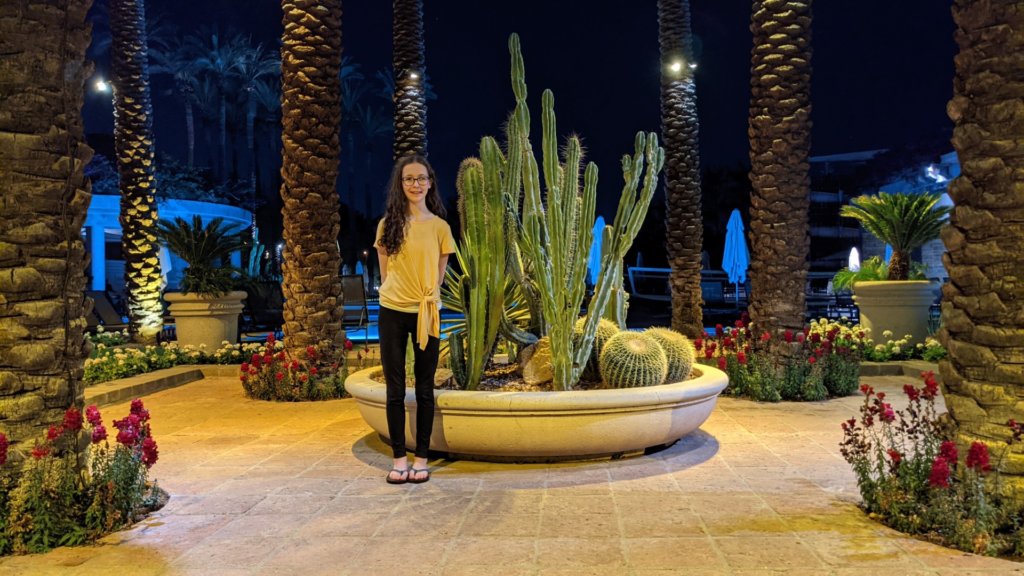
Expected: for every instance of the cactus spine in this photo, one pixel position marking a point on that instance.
(618, 300)
(633, 359)
(555, 235)
(678, 350)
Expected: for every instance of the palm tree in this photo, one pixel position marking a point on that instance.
(311, 118)
(780, 143)
(982, 316)
(133, 142)
(177, 63)
(409, 66)
(46, 196)
(372, 122)
(904, 221)
(218, 60)
(252, 65)
(679, 131)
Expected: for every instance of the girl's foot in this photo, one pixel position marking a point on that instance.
(419, 471)
(399, 473)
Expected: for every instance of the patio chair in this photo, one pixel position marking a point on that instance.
(356, 312)
(104, 313)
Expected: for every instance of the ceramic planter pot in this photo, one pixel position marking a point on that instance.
(205, 319)
(900, 306)
(550, 426)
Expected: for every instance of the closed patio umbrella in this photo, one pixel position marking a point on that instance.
(736, 258)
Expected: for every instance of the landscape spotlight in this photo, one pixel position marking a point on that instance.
(101, 85)
(676, 66)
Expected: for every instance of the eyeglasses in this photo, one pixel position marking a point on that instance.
(421, 180)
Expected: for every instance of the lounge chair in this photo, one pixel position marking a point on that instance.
(356, 313)
(103, 312)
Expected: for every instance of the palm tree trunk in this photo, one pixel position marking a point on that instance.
(42, 209)
(190, 132)
(133, 141)
(679, 131)
(311, 118)
(409, 64)
(982, 316)
(780, 144)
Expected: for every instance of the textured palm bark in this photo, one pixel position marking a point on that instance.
(684, 227)
(133, 144)
(410, 98)
(983, 302)
(780, 142)
(311, 116)
(44, 196)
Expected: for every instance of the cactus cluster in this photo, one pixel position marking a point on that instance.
(605, 330)
(633, 359)
(678, 350)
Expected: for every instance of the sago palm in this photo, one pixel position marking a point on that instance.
(206, 250)
(903, 221)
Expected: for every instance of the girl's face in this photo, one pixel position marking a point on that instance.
(415, 183)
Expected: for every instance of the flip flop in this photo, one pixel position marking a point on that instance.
(415, 471)
(403, 478)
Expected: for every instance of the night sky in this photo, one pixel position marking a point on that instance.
(882, 69)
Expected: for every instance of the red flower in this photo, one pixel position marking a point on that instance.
(245, 367)
(881, 395)
(280, 355)
(99, 434)
(304, 377)
(912, 392)
(948, 452)
(242, 377)
(939, 477)
(709, 352)
(800, 337)
(139, 411)
(895, 456)
(92, 414)
(271, 340)
(3, 448)
(257, 360)
(40, 451)
(738, 323)
(788, 335)
(72, 420)
(294, 365)
(766, 336)
(721, 363)
(719, 330)
(348, 344)
(279, 376)
(977, 457)
(812, 360)
(149, 452)
(888, 414)
(727, 342)
(310, 352)
(866, 390)
(698, 343)
(54, 432)
(741, 358)
(815, 337)
(313, 371)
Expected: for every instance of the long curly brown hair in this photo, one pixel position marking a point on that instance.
(396, 210)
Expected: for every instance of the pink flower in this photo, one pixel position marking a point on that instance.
(939, 477)
(977, 457)
(138, 410)
(99, 434)
(888, 414)
(92, 414)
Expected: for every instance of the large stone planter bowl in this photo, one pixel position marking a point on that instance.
(550, 426)
(205, 319)
(900, 306)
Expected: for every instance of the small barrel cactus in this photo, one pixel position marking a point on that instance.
(633, 359)
(678, 350)
(605, 330)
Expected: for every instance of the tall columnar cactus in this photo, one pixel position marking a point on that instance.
(632, 360)
(678, 350)
(555, 233)
(605, 330)
(481, 283)
(618, 300)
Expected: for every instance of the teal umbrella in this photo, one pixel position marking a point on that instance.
(736, 258)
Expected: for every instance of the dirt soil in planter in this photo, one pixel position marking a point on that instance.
(496, 378)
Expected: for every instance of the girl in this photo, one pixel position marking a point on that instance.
(413, 243)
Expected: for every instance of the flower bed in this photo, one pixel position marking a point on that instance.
(52, 501)
(110, 362)
(822, 361)
(272, 373)
(912, 478)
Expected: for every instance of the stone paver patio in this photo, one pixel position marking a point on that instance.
(265, 488)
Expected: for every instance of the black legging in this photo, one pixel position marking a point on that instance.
(395, 328)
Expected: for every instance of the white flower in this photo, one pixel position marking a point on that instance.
(895, 349)
(236, 353)
(278, 345)
(99, 329)
(879, 348)
(202, 346)
(887, 334)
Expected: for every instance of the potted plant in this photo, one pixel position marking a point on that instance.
(896, 297)
(206, 310)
